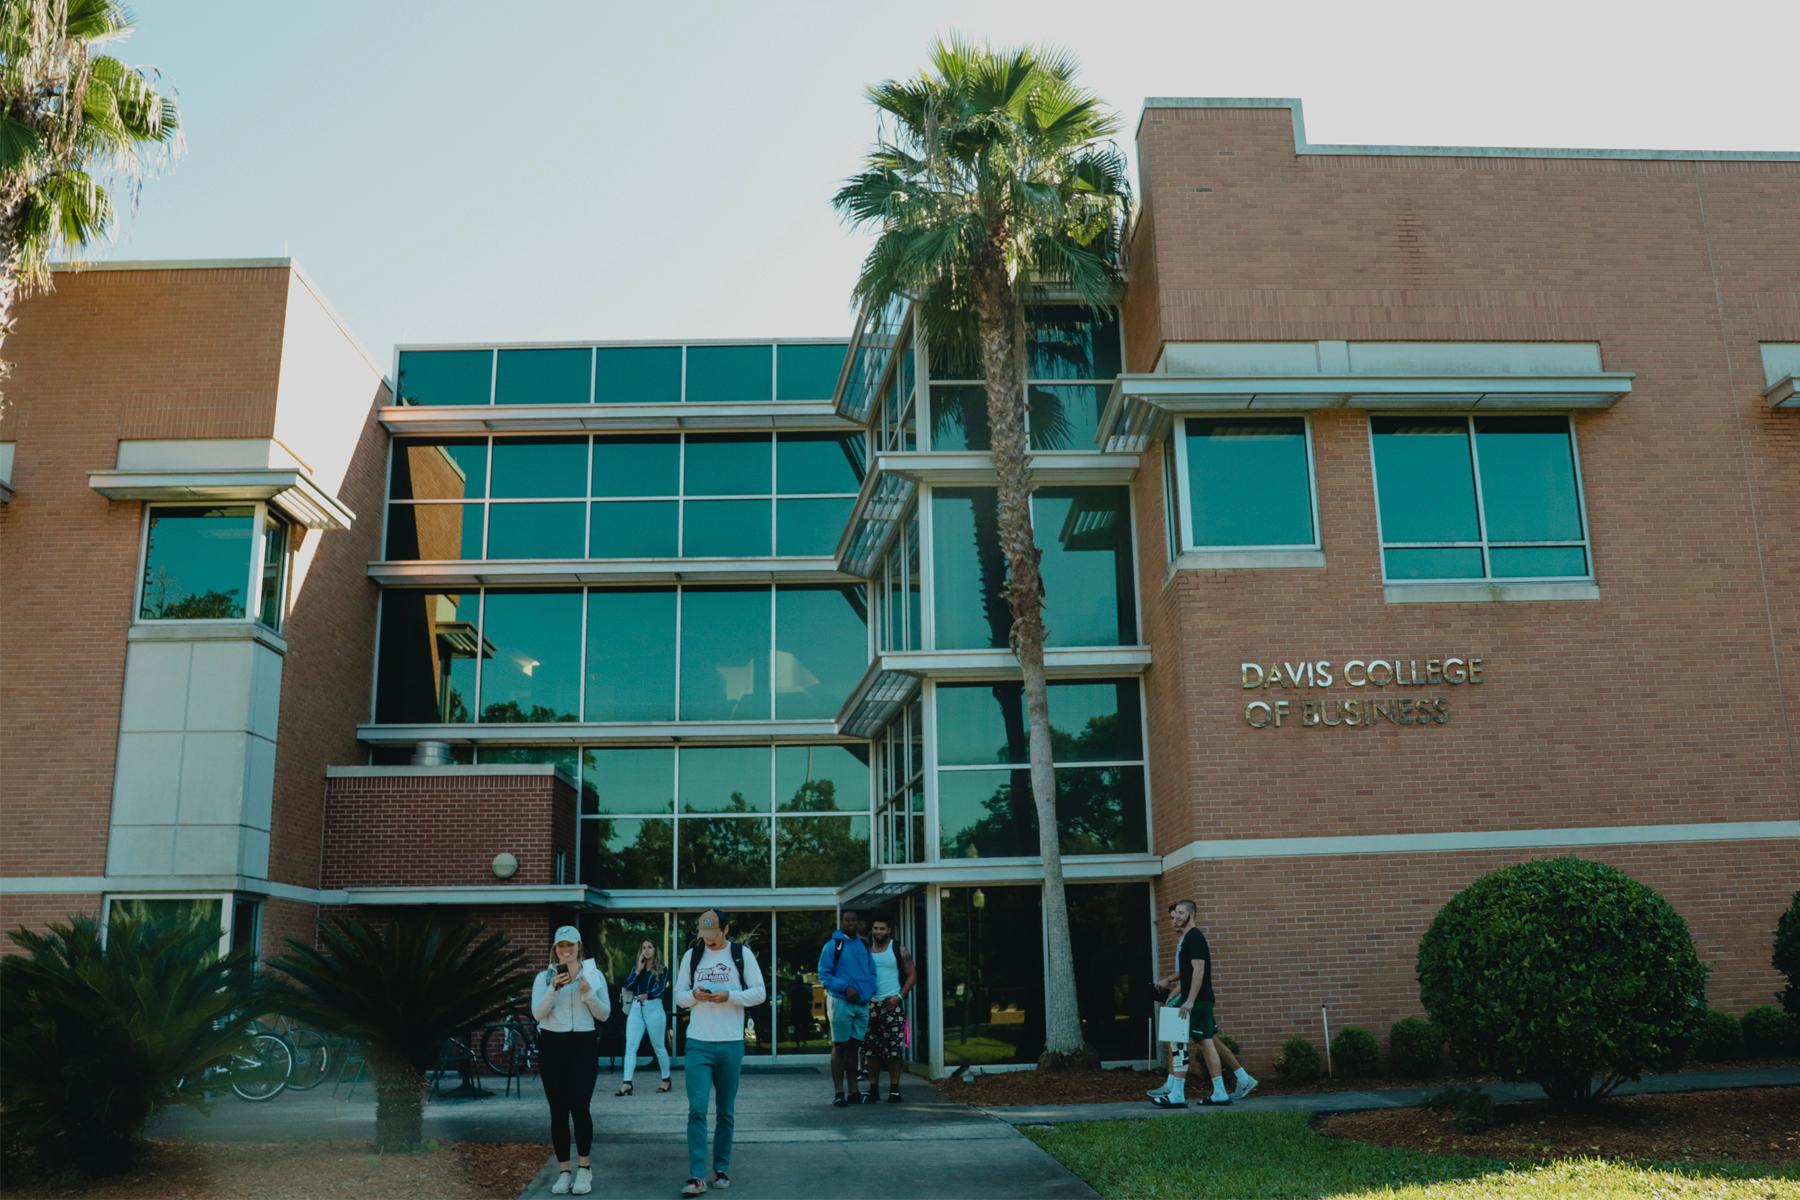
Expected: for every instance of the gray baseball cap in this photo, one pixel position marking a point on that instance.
(568, 933)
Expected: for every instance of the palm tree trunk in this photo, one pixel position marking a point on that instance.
(11, 252)
(399, 1105)
(1000, 324)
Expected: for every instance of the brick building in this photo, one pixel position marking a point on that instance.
(1421, 510)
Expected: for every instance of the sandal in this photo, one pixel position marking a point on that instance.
(665, 1085)
(624, 1089)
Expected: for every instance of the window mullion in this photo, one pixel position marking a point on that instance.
(1487, 566)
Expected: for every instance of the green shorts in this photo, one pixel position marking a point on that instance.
(1201, 1023)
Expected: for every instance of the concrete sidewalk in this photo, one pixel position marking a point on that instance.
(1687, 1081)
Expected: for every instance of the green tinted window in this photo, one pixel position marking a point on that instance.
(1433, 564)
(730, 374)
(820, 851)
(536, 530)
(821, 649)
(810, 528)
(532, 666)
(729, 465)
(819, 464)
(631, 654)
(445, 376)
(637, 375)
(725, 779)
(540, 468)
(1068, 341)
(1426, 479)
(1090, 721)
(807, 372)
(822, 778)
(725, 654)
(634, 781)
(1528, 489)
(1100, 810)
(726, 529)
(425, 672)
(986, 814)
(434, 531)
(1248, 483)
(725, 852)
(633, 529)
(980, 724)
(197, 563)
(1538, 562)
(543, 376)
(1085, 536)
(637, 466)
(1064, 418)
(439, 470)
(619, 854)
(970, 570)
(959, 419)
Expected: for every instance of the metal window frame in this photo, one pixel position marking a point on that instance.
(253, 582)
(227, 915)
(1179, 432)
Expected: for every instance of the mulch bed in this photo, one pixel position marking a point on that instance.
(1747, 1125)
(186, 1170)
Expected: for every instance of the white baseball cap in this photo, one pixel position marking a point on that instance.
(568, 933)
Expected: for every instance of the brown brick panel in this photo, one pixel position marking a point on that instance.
(444, 831)
(38, 912)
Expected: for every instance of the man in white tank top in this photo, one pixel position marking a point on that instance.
(894, 978)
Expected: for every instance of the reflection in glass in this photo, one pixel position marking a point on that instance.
(802, 1025)
(623, 853)
(1248, 483)
(725, 779)
(986, 814)
(1425, 480)
(1090, 721)
(434, 531)
(730, 374)
(533, 672)
(1064, 418)
(993, 984)
(445, 376)
(726, 529)
(725, 852)
(543, 376)
(272, 603)
(1067, 341)
(638, 781)
(810, 528)
(1528, 481)
(821, 649)
(633, 529)
(1114, 963)
(556, 756)
(725, 654)
(197, 563)
(539, 468)
(819, 464)
(729, 464)
(439, 470)
(820, 851)
(959, 417)
(637, 466)
(536, 530)
(808, 372)
(1100, 810)
(822, 778)
(1085, 536)
(970, 570)
(428, 645)
(631, 654)
(637, 375)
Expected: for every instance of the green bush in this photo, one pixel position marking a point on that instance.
(1354, 1053)
(1721, 1037)
(1475, 1110)
(1769, 1032)
(1416, 1047)
(1565, 972)
(1298, 1061)
(1786, 958)
(96, 1036)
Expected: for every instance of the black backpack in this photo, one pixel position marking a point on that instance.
(692, 958)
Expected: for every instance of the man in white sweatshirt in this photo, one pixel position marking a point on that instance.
(718, 979)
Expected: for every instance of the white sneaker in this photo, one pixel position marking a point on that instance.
(1245, 1087)
(584, 1181)
(1154, 1092)
(561, 1186)
(694, 1187)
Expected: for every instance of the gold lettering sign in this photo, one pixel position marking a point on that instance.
(1380, 697)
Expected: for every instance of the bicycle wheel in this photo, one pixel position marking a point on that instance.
(507, 1049)
(312, 1058)
(262, 1074)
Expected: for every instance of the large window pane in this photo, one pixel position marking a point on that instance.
(637, 375)
(428, 644)
(725, 852)
(1068, 341)
(993, 985)
(808, 372)
(434, 531)
(970, 570)
(981, 724)
(197, 563)
(637, 466)
(1538, 562)
(729, 374)
(821, 649)
(730, 465)
(818, 463)
(447, 470)
(725, 779)
(810, 528)
(618, 853)
(537, 530)
(540, 468)
(1248, 483)
(634, 529)
(986, 814)
(1433, 564)
(1109, 934)
(1085, 536)
(822, 778)
(802, 1025)
(1426, 480)
(631, 655)
(726, 529)
(445, 376)
(560, 376)
(1100, 810)
(1527, 480)
(959, 417)
(820, 851)
(533, 646)
(725, 644)
(1095, 721)
(1064, 418)
(637, 781)
(565, 757)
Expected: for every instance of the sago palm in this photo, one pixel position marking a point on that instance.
(399, 990)
(992, 182)
(70, 117)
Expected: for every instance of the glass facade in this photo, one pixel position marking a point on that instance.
(1249, 483)
(1073, 352)
(746, 373)
(214, 563)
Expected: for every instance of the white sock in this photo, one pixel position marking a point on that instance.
(1219, 1092)
(1170, 1083)
(1178, 1090)
(1243, 1076)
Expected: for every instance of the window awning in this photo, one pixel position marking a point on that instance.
(289, 489)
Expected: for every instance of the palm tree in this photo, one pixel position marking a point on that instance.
(400, 990)
(67, 113)
(992, 181)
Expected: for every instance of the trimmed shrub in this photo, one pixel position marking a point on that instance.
(1354, 1053)
(1770, 1032)
(1720, 1039)
(1786, 958)
(1565, 972)
(1475, 1110)
(1298, 1061)
(1416, 1047)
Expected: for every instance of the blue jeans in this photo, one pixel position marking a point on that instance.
(711, 1067)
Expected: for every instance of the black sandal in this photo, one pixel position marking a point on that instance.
(624, 1089)
(665, 1085)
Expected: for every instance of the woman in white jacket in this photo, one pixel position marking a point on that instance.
(569, 1000)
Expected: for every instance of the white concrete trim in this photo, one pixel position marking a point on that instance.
(291, 489)
(1060, 662)
(1784, 392)
(1485, 839)
(176, 264)
(244, 630)
(163, 884)
(445, 771)
(566, 893)
(1248, 560)
(661, 733)
(813, 416)
(1489, 591)
(472, 572)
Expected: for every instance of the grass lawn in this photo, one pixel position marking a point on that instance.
(1279, 1154)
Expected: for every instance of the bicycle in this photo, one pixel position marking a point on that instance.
(257, 1073)
(510, 1048)
(311, 1049)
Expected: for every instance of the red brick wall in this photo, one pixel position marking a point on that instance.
(444, 830)
(36, 912)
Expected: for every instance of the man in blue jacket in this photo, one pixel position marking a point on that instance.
(847, 972)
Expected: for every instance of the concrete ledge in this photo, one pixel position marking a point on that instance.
(1248, 560)
(207, 631)
(448, 770)
(1487, 591)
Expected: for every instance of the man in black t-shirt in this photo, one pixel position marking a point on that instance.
(1191, 989)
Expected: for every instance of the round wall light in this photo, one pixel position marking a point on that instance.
(505, 866)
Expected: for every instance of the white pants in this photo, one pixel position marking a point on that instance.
(646, 1017)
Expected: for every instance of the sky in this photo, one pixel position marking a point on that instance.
(462, 172)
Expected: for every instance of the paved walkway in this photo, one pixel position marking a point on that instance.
(790, 1141)
(1686, 1081)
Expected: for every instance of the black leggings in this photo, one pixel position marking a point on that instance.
(567, 1065)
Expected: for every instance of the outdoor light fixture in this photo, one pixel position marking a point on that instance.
(505, 866)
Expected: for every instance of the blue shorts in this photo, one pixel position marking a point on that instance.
(849, 1022)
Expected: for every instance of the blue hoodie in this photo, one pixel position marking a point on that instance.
(850, 968)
